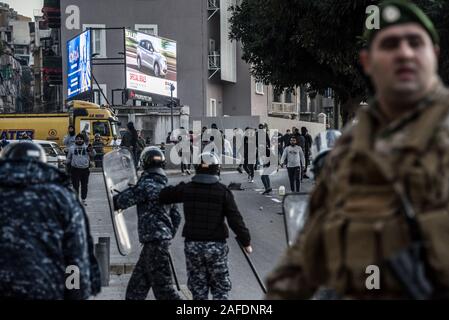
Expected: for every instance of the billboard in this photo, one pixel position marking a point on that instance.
(79, 64)
(150, 63)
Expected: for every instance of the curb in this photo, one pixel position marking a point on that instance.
(119, 269)
(169, 172)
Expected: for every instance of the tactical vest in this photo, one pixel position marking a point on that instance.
(362, 225)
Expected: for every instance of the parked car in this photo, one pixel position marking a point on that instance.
(150, 58)
(55, 156)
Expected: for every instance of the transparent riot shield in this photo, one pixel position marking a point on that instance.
(324, 141)
(119, 173)
(294, 208)
(295, 204)
(322, 144)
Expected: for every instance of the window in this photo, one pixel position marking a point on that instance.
(212, 111)
(101, 127)
(276, 96)
(49, 152)
(98, 97)
(19, 50)
(58, 150)
(259, 87)
(98, 39)
(211, 45)
(288, 96)
(114, 128)
(147, 28)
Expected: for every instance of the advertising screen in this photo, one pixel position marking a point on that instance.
(150, 63)
(78, 65)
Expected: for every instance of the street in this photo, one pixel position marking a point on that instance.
(262, 215)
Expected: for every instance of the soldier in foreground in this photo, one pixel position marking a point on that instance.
(156, 226)
(381, 202)
(207, 203)
(44, 231)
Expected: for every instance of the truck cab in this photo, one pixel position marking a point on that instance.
(85, 116)
(91, 118)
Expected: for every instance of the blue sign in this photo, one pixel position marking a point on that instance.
(78, 65)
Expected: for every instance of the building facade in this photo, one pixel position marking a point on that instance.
(212, 79)
(16, 81)
(47, 56)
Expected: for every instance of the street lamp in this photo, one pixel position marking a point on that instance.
(172, 88)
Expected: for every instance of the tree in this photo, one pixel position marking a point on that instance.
(299, 42)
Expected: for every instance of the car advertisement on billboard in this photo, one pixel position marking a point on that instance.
(150, 63)
(79, 65)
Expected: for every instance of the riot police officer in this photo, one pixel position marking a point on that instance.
(44, 236)
(206, 204)
(156, 225)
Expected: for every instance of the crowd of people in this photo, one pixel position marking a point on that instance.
(293, 151)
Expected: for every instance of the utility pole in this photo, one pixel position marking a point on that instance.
(172, 105)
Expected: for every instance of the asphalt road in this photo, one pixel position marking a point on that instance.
(262, 214)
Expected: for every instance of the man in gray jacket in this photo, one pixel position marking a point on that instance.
(295, 163)
(79, 157)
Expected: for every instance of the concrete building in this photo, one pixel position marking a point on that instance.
(15, 73)
(47, 67)
(212, 79)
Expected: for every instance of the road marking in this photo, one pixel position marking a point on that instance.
(276, 200)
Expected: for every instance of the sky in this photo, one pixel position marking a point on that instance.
(25, 7)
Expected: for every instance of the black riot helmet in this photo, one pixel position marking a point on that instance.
(25, 150)
(210, 164)
(152, 157)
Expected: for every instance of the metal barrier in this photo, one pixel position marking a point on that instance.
(102, 253)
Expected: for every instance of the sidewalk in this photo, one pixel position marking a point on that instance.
(100, 224)
(117, 289)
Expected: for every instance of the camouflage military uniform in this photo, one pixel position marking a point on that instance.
(355, 214)
(207, 266)
(43, 230)
(156, 229)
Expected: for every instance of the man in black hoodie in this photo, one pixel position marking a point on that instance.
(207, 203)
(45, 244)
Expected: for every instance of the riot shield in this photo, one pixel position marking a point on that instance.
(119, 173)
(322, 144)
(294, 207)
(295, 204)
(324, 141)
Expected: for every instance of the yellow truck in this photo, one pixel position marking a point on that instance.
(84, 116)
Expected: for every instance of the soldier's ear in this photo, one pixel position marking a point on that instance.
(437, 51)
(365, 62)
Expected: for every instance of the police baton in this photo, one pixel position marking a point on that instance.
(253, 268)
(174, 272)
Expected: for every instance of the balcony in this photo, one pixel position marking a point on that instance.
(214, 60)
(52, 13)
(213, 6)
(281, 108)
(214, 63)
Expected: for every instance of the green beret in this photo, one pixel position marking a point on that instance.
(394, 12)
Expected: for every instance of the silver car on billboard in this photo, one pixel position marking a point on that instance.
(149, 57)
